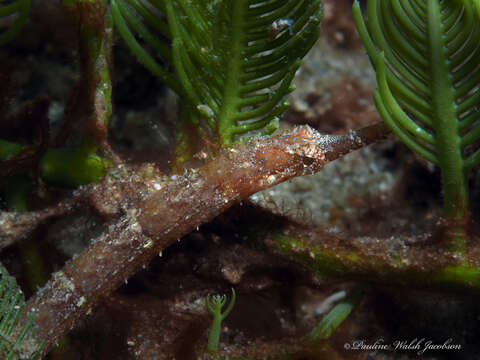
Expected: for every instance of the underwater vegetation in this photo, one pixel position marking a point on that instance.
(427, 74)
(231, 66)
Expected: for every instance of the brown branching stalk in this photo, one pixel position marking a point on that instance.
(172, 207)
(15, 227)
(90, 103)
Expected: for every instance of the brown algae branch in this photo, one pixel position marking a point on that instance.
(90, 105)
(177, 205)
(15, 226)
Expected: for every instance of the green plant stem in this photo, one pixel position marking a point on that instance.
(214, 305)
(17, 189)
(67, 167)
(226, 119)
(422, 268)
(448, 141)
(188, 139)
(214, 336)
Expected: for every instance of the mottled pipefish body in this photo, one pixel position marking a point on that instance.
(176, 206)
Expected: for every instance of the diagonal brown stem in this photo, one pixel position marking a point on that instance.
(176, 205)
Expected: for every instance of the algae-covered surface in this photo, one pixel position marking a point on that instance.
(292, 252)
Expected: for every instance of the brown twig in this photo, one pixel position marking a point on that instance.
(176, 206)
(15, 227)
